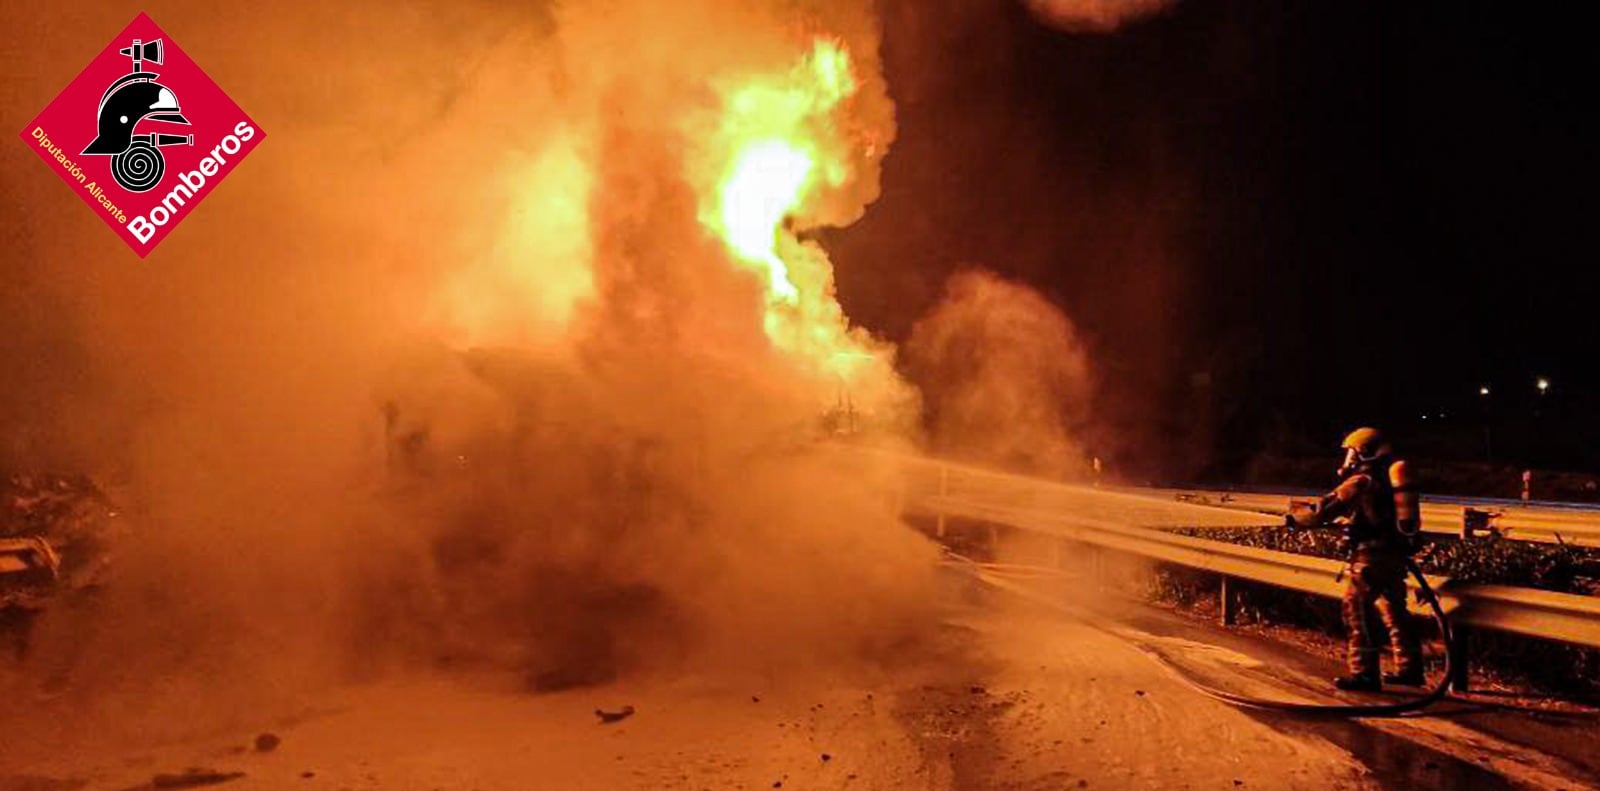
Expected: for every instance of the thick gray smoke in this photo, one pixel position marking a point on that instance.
(448, 370)
(1004, 377)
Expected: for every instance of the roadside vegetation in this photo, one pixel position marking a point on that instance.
(1543, 666)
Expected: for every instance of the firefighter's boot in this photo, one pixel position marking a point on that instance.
(1410, 677)
(1360, 682)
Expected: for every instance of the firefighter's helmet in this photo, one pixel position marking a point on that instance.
(124, 106)
(1366, 441)
(1364, 445)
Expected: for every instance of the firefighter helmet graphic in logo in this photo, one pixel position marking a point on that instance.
(136, 161)
(142, 162)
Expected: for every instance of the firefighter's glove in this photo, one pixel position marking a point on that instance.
(1300, 516)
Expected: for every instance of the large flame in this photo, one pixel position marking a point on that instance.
(769, 128)
(766, 184)
(767, 154)
(781, 151)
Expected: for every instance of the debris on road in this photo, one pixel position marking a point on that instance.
(54, 532)
(267, 742)
(193, 778)
(64, 507)
(608, 717)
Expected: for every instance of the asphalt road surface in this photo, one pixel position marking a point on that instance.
(1064, 689)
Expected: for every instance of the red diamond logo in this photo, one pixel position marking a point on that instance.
(142, 135)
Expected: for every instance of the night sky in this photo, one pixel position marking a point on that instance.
(1270, 221)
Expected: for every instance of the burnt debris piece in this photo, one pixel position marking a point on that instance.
(608, 717)
(54, 529)
(193, 777)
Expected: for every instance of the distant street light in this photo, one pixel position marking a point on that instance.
(1488, 431)
(1542, 383)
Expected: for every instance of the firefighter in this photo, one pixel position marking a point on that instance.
(1377, 494)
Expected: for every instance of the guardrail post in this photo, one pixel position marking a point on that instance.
(1460, 675)
(1475, 521)
(944, 489)
(1225, 609)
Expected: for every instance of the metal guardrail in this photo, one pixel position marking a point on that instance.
(1456, 516)
(22, 555)
(1562, 617)
(1296, 572)
(942, 489)
(1305, 573)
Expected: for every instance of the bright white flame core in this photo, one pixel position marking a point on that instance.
(767, 181)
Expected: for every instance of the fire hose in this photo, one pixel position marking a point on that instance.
(985, 573)
(1434, 695)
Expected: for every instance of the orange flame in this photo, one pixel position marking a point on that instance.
(775, 157)
(781, 152)
(772, 153)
